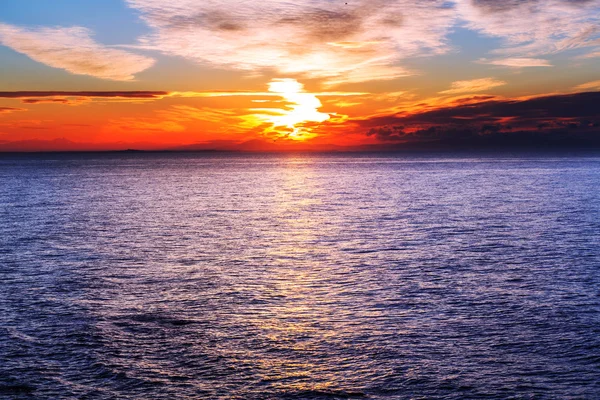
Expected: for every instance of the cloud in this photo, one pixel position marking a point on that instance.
(73, 49)
(342, 42)
(336, 41)
(8, 110)
(474, 85)
(589, 86)
(46, 101)
(558, 120)
(75, 98)
(530, 28)
(515, 62)
(594, 54)
(578, 105)
(51, 93)
(388, 133)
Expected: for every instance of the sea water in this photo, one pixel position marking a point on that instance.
(232, 276)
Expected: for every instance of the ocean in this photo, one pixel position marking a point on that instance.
(299, 276)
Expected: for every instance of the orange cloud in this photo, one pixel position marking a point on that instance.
(293, 113)
(175, 125)
(74, 98)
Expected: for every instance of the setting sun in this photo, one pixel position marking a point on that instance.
(300, 108)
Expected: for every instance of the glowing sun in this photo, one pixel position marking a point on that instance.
(303, 107)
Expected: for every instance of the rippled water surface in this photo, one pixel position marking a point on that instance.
(157, 276)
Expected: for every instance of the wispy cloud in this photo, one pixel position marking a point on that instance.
(175, 119)
(74, 98)
(594, 54)
(531, 28)
(8, 110)
(77, 98)
(47, 101)
(589, 86)
(474, 85)
(98, 94)
(516, 62)
(337, 41)
(73, 49)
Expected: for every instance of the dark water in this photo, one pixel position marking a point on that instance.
(299, 277)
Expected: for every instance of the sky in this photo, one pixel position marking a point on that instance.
(275, 75)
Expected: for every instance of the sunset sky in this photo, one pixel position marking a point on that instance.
(311, 74)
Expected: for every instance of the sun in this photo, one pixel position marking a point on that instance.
(302, 108)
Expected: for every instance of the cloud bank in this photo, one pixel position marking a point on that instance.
(559, 121)
(334, 40)
(361, 40)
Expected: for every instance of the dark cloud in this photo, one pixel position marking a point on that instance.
(579, 2)
(128, 95)
(215, 20)
(500, 6)
(565, 120)
(8, 110)
(506, 5)
(39, 101)
(473, 99)
(388, 133)
(327, 25)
